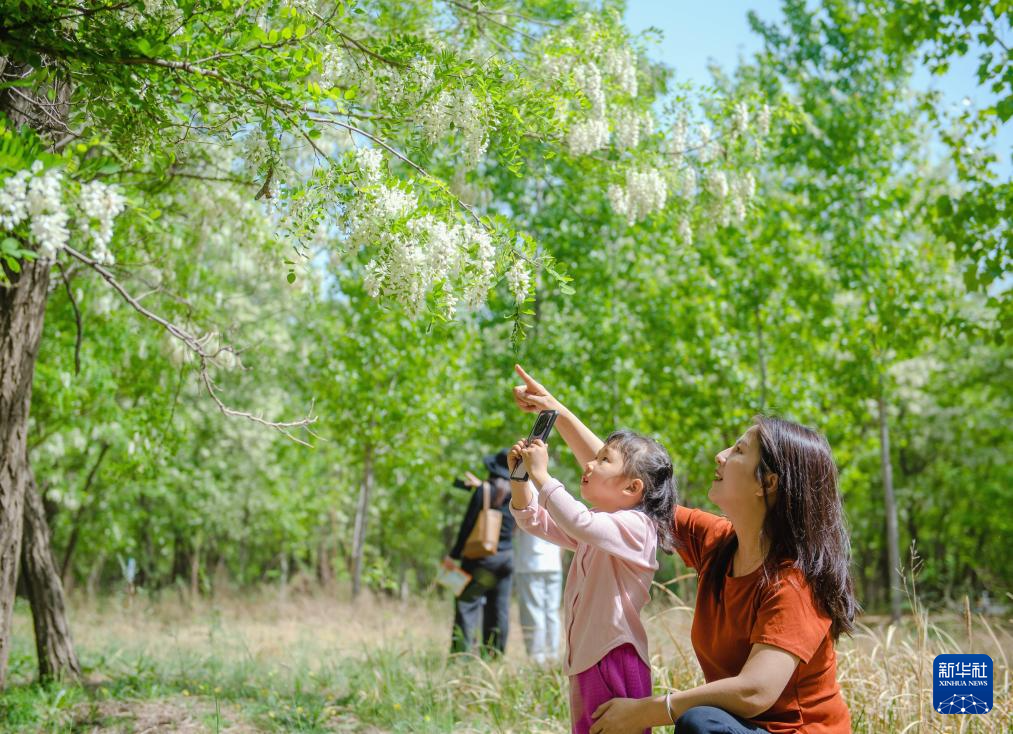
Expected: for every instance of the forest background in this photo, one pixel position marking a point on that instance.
(279, 260)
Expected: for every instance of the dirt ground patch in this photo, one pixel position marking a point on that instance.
(175, 715)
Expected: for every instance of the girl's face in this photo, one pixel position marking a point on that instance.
(606, 486)
(735, 488)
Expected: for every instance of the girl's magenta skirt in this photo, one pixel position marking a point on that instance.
(620, 674)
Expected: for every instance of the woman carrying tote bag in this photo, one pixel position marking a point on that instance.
(484, 549)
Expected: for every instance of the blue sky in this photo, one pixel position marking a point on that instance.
(697, 32)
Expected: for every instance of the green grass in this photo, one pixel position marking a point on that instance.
(320, 665)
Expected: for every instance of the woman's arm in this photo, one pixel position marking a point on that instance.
(532, 397)
(754, 690)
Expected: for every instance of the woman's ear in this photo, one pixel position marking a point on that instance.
(771, 483)
(636, 487)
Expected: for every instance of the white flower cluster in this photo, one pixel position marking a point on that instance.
(100, 205)
(336, 67)
(645, 192)
(459, 109)
(630, 126)
(373, 211)
(588, 78)
(588, 136)
(685, 230)
(740, 118)
(432, 252)
(417, 251)
(620, 64)
(743, 190)
(369, 161)
(38, 198)
(36, 195)
(708, 150)
(519, 281)
(717, 184)
(677, 138)
(763, 121)
(379, 81)
(689, 182)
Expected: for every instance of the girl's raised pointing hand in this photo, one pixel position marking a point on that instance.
(532, 397)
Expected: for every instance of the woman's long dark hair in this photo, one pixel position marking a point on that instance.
(805, 524)
(647, 460)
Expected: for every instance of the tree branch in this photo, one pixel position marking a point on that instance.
(197, 346)
(77, 318)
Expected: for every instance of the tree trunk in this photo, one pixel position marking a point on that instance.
(361, 510)
(79, 516)
(22, 310)
(892, 539)
(53, 642)
(195, 571)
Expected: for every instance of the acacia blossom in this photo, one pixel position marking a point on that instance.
(763, 121)
(459, 109)
(100, 205)
(519, 280)
(588, 136)
(588, 78)
(645, 192)
(620, 64)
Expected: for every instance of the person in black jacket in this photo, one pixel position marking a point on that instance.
(488, 592)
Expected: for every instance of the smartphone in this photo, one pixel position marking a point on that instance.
(543, 425)
(459, 483)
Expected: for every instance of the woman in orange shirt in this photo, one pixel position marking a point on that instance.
(774, 594)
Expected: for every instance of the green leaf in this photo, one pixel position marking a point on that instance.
(1004, 109)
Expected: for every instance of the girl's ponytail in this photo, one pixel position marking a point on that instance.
(647, 460)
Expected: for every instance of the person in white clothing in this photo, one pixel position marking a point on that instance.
(538, 578)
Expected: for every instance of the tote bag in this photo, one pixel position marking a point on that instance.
(483, 540)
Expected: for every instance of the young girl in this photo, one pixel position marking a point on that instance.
(630, 488)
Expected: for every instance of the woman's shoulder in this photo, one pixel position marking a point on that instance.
(694, 521)
(789, 588)
(698, 534)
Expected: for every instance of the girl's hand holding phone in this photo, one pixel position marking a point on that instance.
(536, 460)
(515, 456)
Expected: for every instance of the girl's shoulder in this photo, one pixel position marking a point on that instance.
(634, 518)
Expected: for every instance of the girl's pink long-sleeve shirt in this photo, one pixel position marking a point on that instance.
(610, 577)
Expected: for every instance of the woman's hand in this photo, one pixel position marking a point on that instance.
(531, 397)
(449, 563)
(619, 716)
(470, 480)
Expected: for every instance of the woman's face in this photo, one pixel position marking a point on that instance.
(735, 488)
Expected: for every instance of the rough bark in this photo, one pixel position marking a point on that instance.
(53, 641)
(22, 309)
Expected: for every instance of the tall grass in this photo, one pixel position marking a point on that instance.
(317, 664)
